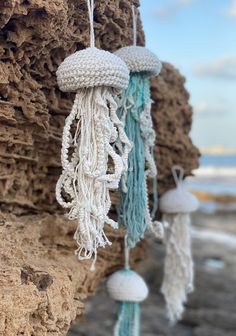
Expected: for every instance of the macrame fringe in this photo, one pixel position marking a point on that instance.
(178, 269)
(128, 323)
(83, 187)
(134, 110)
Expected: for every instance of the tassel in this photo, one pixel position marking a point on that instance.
(133, 207)
(129, 289)
(128, 319)
(135, 111)
(176, 204)
(91, 135)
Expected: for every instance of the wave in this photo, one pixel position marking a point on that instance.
(211, 207)
(216, 236)
(213, 180)
(212, 171)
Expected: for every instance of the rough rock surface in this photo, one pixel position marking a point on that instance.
(172, 116)
(42, 285)
(41, 291)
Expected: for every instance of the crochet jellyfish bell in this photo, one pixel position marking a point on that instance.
(91, 132)
(135, 110)
(92, 67)
(176, 205)
(127, 285)
(178, 200)
(140, 59)
(129, 289)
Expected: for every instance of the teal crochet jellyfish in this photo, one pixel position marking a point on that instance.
(135, 111)
(126, 286)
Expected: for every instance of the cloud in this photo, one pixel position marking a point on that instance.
(172, 9)
(205, 109)
(222, 68)
(232, 9)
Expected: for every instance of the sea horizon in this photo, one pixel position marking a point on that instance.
(216, 179)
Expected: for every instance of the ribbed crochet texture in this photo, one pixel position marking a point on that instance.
(140, 59)
(127, 285)
(92, 67)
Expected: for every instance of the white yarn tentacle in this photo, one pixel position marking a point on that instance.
(178, 269)
(155, 227)
(147, 215)
(126, 145)
(85, 179)
(116, 136)
(149, 137)
(126, 103)
(65, 180)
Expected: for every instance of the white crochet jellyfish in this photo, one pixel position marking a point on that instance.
(176, 205)
(91, 132)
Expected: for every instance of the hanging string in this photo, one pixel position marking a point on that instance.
(90, 4)
(127, 249)
(178, 175)
(134, 12)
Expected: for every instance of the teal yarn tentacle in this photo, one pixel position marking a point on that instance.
(133, 205)
(128, 323)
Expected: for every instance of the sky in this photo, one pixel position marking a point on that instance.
(199, 38)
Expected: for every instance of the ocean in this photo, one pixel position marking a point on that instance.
(216, 176)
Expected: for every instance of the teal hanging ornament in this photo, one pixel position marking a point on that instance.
(135, 111)
(129, 289)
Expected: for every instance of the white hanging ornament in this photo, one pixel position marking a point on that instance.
(176, 206)
(83, 187)
(129, 289)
